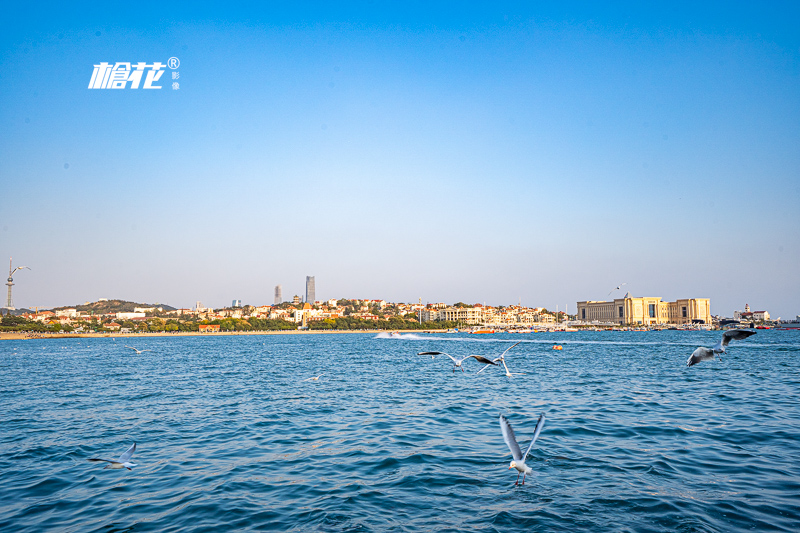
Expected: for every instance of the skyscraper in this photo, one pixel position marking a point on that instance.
(278, 295)
(311, 292)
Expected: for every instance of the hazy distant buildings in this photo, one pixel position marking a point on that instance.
(278, 294)
(236, 303)
(311, 293)
(296, 299)
(646, 311)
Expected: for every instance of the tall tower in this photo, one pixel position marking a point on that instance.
(10, 283)
(311, 292)
(278, 294)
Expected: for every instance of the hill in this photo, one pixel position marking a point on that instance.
(112, 306)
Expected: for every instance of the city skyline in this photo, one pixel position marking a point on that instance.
(490, 153)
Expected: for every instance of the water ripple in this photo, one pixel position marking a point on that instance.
(230, 437)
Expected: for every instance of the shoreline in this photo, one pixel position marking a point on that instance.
(13, 335)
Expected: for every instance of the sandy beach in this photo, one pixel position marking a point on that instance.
(6, 335)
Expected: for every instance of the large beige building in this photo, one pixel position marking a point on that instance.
(646, 311)
(468, 315)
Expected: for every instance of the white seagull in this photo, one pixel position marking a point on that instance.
(704, 354)
(315, 378)
(510, 374)
(138, 352)
(618, 287)
(457, 362)
(502, 358)
(123, 460)
(519, 458)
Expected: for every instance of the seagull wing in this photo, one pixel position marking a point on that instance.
(700, 354)
(128, 454)
(735, 335)
(482, 359)
(104, 460)
(511, 440)
(507, 349)
(440, 353)
(132, 348)
(539, 426)
(485, 367)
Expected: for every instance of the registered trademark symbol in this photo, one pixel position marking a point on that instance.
(173, 63)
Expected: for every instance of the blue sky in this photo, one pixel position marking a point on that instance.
(491, 153)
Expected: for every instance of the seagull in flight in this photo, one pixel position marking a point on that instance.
(616, 288)
(704, 354)
(457, 362)
(316, 378)
(510, 374)
(511, 441)
(123, 460)
(138, 352)
(502, 358)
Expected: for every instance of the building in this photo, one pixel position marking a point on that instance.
(646, 311)
(128, 316)
(753, 316)
(236, 303)
(278, 295)
(311, 292)
(208, 328)
(296, 299)
(467, 315)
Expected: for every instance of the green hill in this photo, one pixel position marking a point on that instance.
(112, 306)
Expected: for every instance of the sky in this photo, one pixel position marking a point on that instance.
(495, 153)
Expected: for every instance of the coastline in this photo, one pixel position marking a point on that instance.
(12, 335)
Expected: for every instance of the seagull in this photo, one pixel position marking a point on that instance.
(138, 352)
(503, 359)
(510, 374)
(316, 378)
(616, 288)
(516, 453)
(457, 362)
(123, 460)
(704, 354)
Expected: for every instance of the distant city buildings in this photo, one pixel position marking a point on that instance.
(311, 293)
(646, 311)
(296, 299)
(236, 303)
(278, 295)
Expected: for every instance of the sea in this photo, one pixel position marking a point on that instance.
(232, 435)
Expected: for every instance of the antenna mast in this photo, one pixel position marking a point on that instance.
(10, 282)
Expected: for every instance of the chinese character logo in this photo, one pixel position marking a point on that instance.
(119, 75)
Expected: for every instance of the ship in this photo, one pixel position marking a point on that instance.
(788, 324)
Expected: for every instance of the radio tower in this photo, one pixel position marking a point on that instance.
(11, 282)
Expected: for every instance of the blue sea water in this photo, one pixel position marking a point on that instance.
(230, 436)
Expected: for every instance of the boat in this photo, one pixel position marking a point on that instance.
(481, 331)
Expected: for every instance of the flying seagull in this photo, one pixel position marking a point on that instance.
(511, 441)
(510, 374)
(138, 352)
(123, 460)
(316, 378)
(616, 288)
(704, 354)
(457, 362)
(501, 358)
